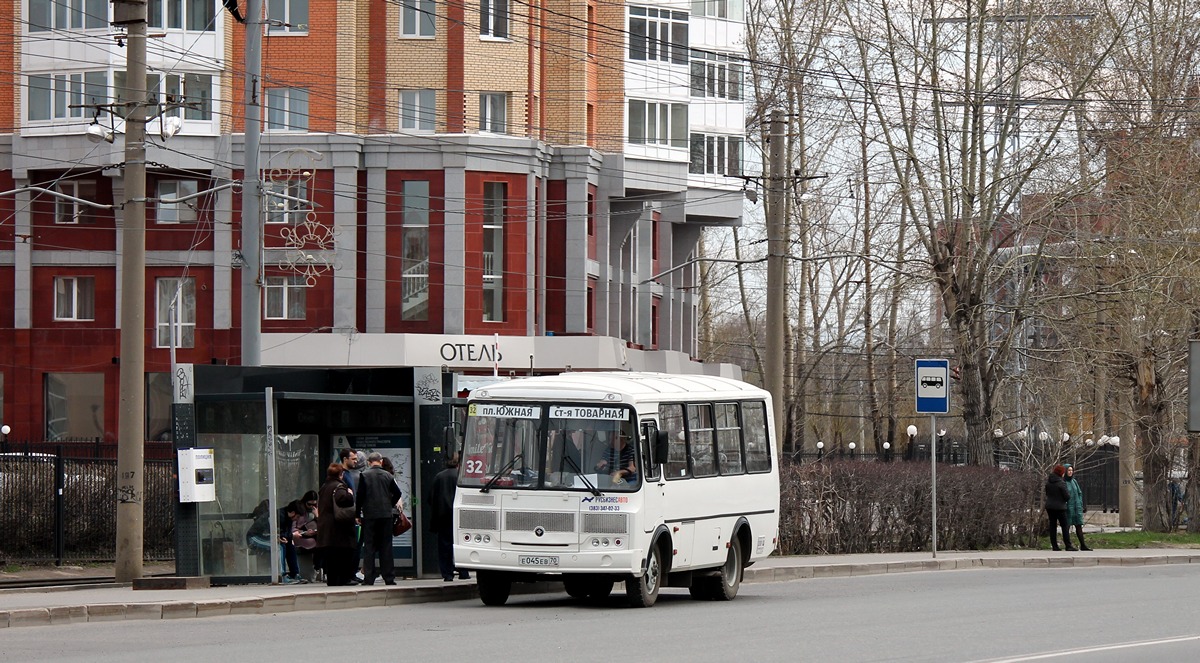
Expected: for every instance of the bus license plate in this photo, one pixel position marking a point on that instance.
(538, 560)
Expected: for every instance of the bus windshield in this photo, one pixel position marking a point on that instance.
(548, 446)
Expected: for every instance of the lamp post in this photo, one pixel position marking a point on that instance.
(851, 446)
(5, 430)
(912, 441)
(887, 452)
(997, 435)
(941, 438)
(820, 450)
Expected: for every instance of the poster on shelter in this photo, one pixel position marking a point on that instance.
(398, 449)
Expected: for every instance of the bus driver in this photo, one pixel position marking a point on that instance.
(618, 460)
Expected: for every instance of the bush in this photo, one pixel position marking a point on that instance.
(836, 507)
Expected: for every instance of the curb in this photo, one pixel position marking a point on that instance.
(335, 599)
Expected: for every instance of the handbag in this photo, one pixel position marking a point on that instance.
(341, 513)
(400, 524)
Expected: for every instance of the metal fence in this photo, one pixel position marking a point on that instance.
(60, 505)
(1096, 472)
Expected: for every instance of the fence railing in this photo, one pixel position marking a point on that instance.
(58, 504)
(89, 447)
(1097, 472)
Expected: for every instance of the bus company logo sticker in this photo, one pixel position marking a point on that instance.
(606, 499)
(499, 411)
(539, 530)
(589, 412)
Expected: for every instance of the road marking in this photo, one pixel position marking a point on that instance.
(1091, 650)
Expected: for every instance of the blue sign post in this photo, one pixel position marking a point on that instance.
(933, 398)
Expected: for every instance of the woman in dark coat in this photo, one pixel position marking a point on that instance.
(1057, 497)
(1075, 505)
(336, 537)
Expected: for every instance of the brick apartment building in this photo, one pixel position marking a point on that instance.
(454, 174)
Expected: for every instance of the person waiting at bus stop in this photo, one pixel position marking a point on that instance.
(618, 460)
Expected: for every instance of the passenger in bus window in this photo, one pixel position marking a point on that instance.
(619, 460)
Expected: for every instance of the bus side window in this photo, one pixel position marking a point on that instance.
(648, 437)
(758, 447)
(670, 419)
(700, 440)
(729, 439)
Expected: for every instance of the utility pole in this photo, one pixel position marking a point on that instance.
(776, 267)
(131, 418)
(252, 191)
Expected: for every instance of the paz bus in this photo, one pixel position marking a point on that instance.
(590, 479)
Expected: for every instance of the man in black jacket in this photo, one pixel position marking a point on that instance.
(375, 501)
(441, 521)
(1057, 497)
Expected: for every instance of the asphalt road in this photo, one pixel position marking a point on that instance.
(1145, 613)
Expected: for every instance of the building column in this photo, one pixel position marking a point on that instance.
(23, 260)
(376, 249)
(575, 300)
(222, 262)
(345, 228)
(454, 241)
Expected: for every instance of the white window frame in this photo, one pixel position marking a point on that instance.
(185, 311)
(287, 101)
(287, 210)
(69, 212)
(175, 213)
(495, 206)
(494, 24)
(69, 294)
(281, 294)
(493, 112)
(418, 110)
(417, 19)
(657, 35)
(68, 15)
(51, 96)
(187, 15)
(715, 154)
(285, 17)
(662, 123)
(716, 76)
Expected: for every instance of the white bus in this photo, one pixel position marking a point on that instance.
(594, 478)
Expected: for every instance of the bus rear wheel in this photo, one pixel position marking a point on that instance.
(728, 580)
(643, 589)
(494, 587)
(577, 587)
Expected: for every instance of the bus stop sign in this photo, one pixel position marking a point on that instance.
(933, 386)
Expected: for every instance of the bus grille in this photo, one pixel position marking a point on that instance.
(550, 521)
(479, 500)
(478, 519)
(605, 523)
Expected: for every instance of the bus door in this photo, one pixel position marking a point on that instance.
(653, 485)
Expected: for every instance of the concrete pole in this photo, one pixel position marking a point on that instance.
(131, 417)
(1125, 493)
(252, 191)
(776, 268)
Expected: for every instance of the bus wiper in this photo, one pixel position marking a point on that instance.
(488, 486)
(579, 473)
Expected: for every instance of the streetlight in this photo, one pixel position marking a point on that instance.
(820, 450)
(941, 435)
(851, 445)
(912, 440)
(997, 434)
(5, 430)
(887, 452)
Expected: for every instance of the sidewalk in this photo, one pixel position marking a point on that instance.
(44, 607)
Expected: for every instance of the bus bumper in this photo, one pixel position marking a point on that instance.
(622, 562)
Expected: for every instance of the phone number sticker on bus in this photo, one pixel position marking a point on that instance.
(588, 412)
(501, 411)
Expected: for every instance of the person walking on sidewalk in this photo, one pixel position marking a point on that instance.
(1075, 506)
(377, 496)
(441, 521)
(1057, 497)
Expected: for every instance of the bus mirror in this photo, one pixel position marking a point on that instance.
(662, 441)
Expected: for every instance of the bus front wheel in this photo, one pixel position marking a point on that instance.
(494, 587)
(643, 589)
